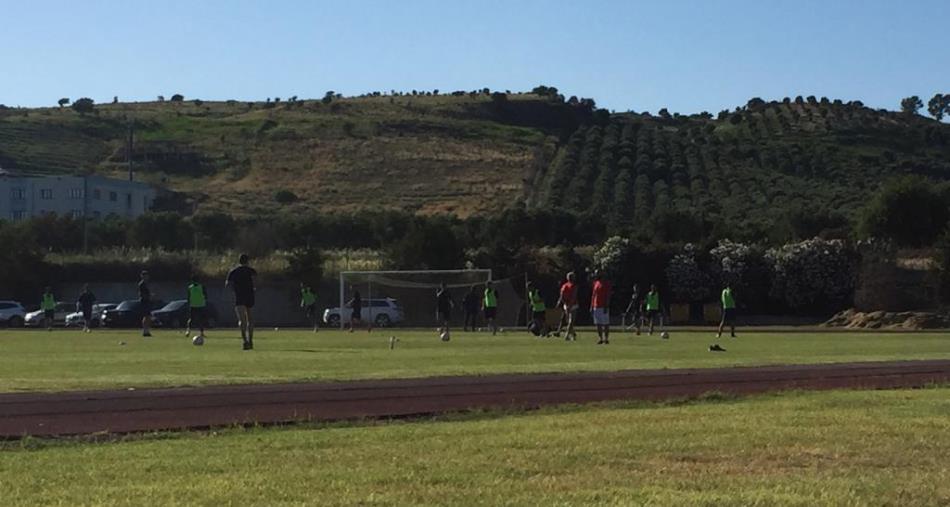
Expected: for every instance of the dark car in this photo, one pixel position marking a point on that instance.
(128, 314)
(175, 315)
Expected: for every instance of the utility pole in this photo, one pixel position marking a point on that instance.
(129, 146)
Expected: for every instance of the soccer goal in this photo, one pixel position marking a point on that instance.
(407, 298)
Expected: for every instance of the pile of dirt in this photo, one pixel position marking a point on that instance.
(854, 319)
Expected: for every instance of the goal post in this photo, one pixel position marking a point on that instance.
(406, 298)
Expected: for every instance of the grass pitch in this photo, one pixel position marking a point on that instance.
(827, 448)
(67, 359)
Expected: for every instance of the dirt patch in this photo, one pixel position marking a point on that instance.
(853, 319)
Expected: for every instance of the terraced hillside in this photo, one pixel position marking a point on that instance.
(477, 153)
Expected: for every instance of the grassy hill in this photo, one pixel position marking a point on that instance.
(474, 154)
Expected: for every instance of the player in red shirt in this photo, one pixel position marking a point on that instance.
(600, 307)
(568, 303)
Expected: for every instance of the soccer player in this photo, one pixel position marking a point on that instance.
(470, 305)
(567, 301)
(635, 308)
(356, 305)
(308, 301)
(600, 307)
(241, 281)
(653, 307)
(145, 304)
(490, 307)
(197, 306)
(538, 317)
(48, 305)
(444, 305)
(84, 305)
(728, 311)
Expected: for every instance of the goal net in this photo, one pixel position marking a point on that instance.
(408, 298)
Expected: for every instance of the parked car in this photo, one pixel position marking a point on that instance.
(175, 315)
(127, 314)
(381, 312)
(75, 318)
(35, 319)
(12, 313)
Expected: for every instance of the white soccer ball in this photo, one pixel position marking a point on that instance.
(445, 336)
(198, 340)
(665, 335)
(276, 329)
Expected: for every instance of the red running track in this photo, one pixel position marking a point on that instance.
(91, 412)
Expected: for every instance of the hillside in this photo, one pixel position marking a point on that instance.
(475, 154)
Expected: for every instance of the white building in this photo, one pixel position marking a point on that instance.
(23, 196)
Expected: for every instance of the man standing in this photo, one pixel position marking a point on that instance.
(653, 307)
(635, 309)
(356, 307)
(470, 305)
(490, 307)
(539, 326)
(444, 304)
(84, 304)
(567, 301)
(197, 306)
(241, 281)
(308, 301)
(728, 312)
(48, 305)
(600, 307)
(145, 304)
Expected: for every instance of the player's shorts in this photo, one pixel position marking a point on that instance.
(540, 315)
(444, 315)
(491, 312)
(356, 314)
(197, 316)
(87, 315)
(652, 314)
(729, 315)
(570, 308)
(244, 299)
(49, 314)
(311, 310)
(145, 306)
(601, 317)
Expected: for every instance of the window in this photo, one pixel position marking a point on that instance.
(17, 193)
(97, 194)
(113, 196)
(18, 215)
(46, 193)
(76, 213)
(75, 193)
(128, 201)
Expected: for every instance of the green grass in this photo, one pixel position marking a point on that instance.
(830, 448)
(68, 359)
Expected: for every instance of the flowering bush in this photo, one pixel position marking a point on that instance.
(813, 273)
(688, 282)
(611, 256)
(745, 269)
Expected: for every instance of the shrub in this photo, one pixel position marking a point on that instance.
(285, 197)
(815, 275)
(686, 278)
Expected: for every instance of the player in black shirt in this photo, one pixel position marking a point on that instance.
(145, 305)
(356, 310)
(241, 281)
(444, 305)
(470, 304)
(84, 305)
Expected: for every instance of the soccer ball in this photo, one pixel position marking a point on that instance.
(198, 340)
(665, 335)
(445, 336)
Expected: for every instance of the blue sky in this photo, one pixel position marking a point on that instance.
(688, 56)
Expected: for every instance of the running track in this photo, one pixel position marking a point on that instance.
(93, 412)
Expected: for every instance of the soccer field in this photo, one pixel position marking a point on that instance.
(828, 448)
(66, 359)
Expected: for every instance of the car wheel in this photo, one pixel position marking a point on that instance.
(333, 321)
(383, 321)
(15, 321)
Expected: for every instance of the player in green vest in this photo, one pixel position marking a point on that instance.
(653, 307)
(308, 301)
(538, 326)
(490, 307)
(728, 311)
(48, 305)
(197, 306)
